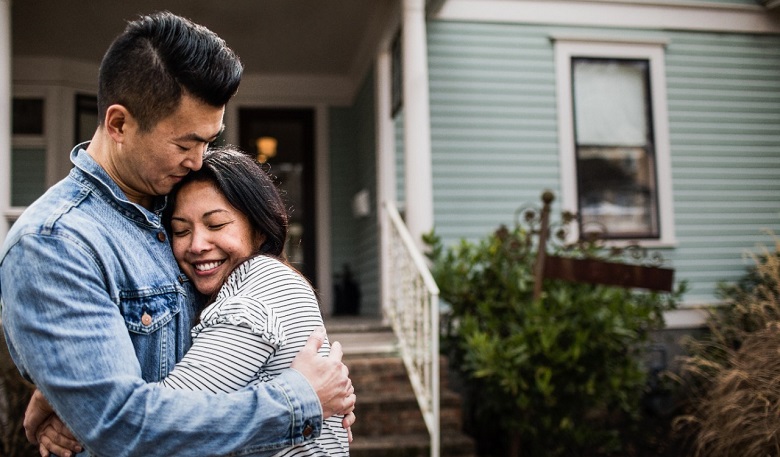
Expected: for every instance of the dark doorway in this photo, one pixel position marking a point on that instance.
(284, 139)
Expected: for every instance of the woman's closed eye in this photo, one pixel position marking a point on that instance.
(218, 226)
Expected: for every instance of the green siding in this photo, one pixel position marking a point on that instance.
(493, 124)
(353, 168)
(724, 119)
(494, 136)
(400, 179)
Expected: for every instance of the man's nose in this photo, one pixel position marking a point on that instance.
(195, 160)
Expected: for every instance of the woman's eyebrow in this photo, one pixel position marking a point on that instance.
(214, 211)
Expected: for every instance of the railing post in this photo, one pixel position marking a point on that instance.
(547, 199)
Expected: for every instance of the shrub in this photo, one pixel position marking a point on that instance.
(732, 372)
(15, 392)
(562, 374)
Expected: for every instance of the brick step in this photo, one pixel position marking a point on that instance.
(389, 421)
(379, 373)
(411, 445)
(393, 413)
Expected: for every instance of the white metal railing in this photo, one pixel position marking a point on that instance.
(413, 310)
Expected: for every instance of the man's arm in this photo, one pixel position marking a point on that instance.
(43, 427)
(70, 338)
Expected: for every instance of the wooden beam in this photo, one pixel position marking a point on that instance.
(594, 271)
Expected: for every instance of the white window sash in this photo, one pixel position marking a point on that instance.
(565, 49)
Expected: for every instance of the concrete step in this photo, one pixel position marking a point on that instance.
(362, 336)
(411, 445)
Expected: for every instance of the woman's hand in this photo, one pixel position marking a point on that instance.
(54, 437)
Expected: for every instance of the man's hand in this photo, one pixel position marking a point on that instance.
(328, 376)
(44, 428)
(38, 410)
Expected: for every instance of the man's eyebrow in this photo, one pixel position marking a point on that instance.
(199, 139)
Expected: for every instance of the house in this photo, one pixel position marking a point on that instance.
(658, 120)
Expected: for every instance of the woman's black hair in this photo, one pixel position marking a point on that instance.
(248, 188)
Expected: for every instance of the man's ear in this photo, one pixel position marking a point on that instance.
(118, 121)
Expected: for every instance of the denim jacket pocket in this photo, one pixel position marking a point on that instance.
(150, 314)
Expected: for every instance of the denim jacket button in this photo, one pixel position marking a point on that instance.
(146, 319)
(161, 236)
(307, 430)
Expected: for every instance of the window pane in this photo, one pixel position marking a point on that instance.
(609, 101)
(616, 167)
(28, 175)
(617, 191)
(27, 116)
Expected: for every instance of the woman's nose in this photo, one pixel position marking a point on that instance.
(200, 242)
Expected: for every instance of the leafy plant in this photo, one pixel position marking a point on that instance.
(15, 392)
(563, 374)
(732, 371)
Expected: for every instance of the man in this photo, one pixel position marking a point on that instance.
(94, 305)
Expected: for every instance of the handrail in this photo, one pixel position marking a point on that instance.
(413, 310)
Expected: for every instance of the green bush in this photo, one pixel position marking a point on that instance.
(15, 393)
(562, 374)
(731, 373)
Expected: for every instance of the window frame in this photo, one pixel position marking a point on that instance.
(653, 51)
(29, 141)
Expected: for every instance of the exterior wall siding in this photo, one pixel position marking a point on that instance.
(343, 162)
(724, 109)
(400, 179)
(353, 168)
(495, 146)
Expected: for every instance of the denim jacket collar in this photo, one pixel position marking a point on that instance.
(89, 173)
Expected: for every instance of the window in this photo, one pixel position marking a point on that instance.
(614, 139)
(86, 118)
(28, 151)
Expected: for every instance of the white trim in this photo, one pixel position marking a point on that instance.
(564, 50)
(686, 318)
(619, 14)
(385, 169)
(418, 182)
(5, 118)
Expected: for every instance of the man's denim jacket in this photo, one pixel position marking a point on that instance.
(95, 310)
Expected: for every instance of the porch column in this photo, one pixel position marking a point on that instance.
(418, 183)
(385, 170)
(5, 115)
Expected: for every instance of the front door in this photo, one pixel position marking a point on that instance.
(284, 140)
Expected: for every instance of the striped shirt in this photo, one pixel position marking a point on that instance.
(260, 320)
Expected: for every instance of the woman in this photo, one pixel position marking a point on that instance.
(228, 226)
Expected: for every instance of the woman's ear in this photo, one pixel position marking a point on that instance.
(259, 240)
(118, 122)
